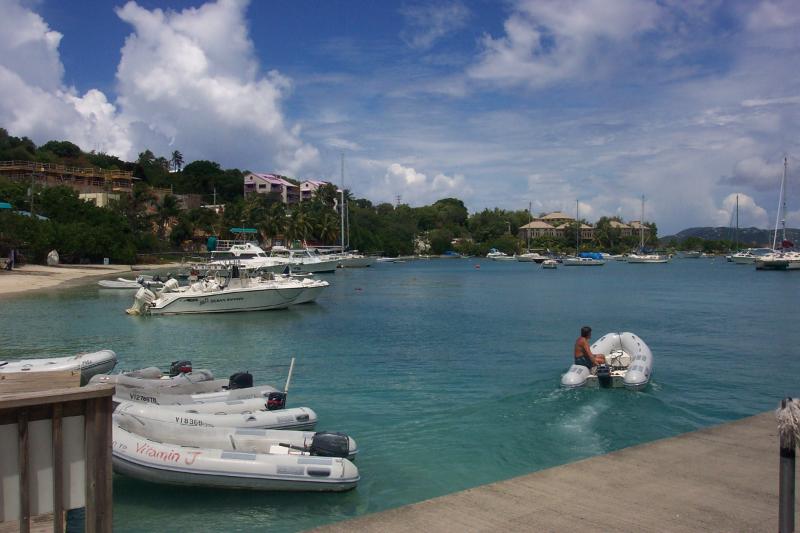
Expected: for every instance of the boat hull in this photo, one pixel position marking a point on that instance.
(89, 364)
(630, 361)
(226, 301)
(147, 460)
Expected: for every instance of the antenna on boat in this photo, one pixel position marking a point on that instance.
(289, 377)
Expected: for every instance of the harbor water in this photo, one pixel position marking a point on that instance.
(447, 375)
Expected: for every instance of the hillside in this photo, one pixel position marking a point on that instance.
(747, 236)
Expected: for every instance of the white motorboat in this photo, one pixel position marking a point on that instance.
(496, 255)
(294, 418)
(629, 364)
(241, 440)
(531, 257)
(127, 283)
(647, 258)
(234, 292)
(779, 261)
(691, 254)
(303, 260)
(582, 261)
(549, 263)
(148, 460)
(749, 256)
(246, 255)
(88, 363)
(355, 260)
(312, 288)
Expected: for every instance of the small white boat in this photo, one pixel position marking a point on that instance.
(294, 418)
(303, 260)
(241, 440)
(549, 263)
(165, 397)
(89, 363)
(647, 258)
(629, 364)
(148, 460)
(234, 292)
(783, 260)
(194, 382)
(355, 260)
(531, 257)
(582, 261)
(127, 283)
(496, 255)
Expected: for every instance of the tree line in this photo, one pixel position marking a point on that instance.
(150, 221)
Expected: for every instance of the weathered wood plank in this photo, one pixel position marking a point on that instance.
(91, 450)
(42, 523)
(24, 480)
(58, 469)
(105, 481)
(26, 399)
(15, 382)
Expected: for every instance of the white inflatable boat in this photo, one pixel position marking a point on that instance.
(239, 439)
(127, 283)
(198, 381)
(295, 418)
(89, 364)
(160, 397)
(145, 459)
(629, 364)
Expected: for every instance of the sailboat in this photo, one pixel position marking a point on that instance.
(782, 258)
(586, 258)
(641, 257)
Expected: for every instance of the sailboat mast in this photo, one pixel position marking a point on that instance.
(341, 207)
(781, 218)
(641, 228)
(530, 219)
(736, 234)
(577, 228)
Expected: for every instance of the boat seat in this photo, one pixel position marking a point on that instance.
(618, 359)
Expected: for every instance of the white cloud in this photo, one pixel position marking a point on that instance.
(427, 23)
(549, 41)
(416, 189)
(186, 80)
(750, 213)
(191, 80)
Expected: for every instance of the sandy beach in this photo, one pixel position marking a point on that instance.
(28, 278)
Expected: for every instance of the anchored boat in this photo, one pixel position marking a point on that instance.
(141, 458)
(89, 364)
(629, 364)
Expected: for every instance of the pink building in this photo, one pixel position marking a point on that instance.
(258, 183)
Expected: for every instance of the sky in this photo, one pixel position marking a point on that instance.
(499, 103)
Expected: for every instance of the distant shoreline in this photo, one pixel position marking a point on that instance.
(29, 279)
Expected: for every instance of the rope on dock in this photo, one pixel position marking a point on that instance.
(788, 415)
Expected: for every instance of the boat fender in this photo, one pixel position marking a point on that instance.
(179, 367)
(276, 400)
(240, 380)
(330, 444)
(604, 376)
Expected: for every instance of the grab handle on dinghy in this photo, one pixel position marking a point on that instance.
(3, 363)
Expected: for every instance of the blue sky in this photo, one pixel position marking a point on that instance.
(496, 103)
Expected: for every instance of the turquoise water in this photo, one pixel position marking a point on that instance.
(447, 375)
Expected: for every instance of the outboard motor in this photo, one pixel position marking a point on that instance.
(179, 367)
(604, 376)
(276, 400)
(330, 444)
(240, 380)
(141, 301)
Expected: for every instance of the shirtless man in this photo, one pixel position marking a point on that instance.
(583, 353)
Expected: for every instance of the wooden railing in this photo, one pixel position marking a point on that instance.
(52, 168)
(57, 444)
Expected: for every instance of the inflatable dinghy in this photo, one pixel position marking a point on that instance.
(127, 283)
(147, 460)
(295, 418)
(629, 364)
(194, 382)
(323, 443)
(266, 393)
(89, 364)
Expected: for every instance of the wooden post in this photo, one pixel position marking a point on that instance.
(786, 431)
(58, 469)
(24, 481)
(98, 465)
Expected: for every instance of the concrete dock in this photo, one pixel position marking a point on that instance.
(723, 478)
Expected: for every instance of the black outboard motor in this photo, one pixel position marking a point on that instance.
(604, 376)
(240, 380)
(276, 400)
(330, 444)
(179, 367)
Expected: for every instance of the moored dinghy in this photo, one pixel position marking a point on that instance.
(148, 460)
(629, 364)
(89, 363)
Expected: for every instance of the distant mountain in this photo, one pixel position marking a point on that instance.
(747, 236)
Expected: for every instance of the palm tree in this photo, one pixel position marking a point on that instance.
(274, 221)
(176, 161)
(166, 211)
(328, 227)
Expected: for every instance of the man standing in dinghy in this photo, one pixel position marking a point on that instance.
(583, 352)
